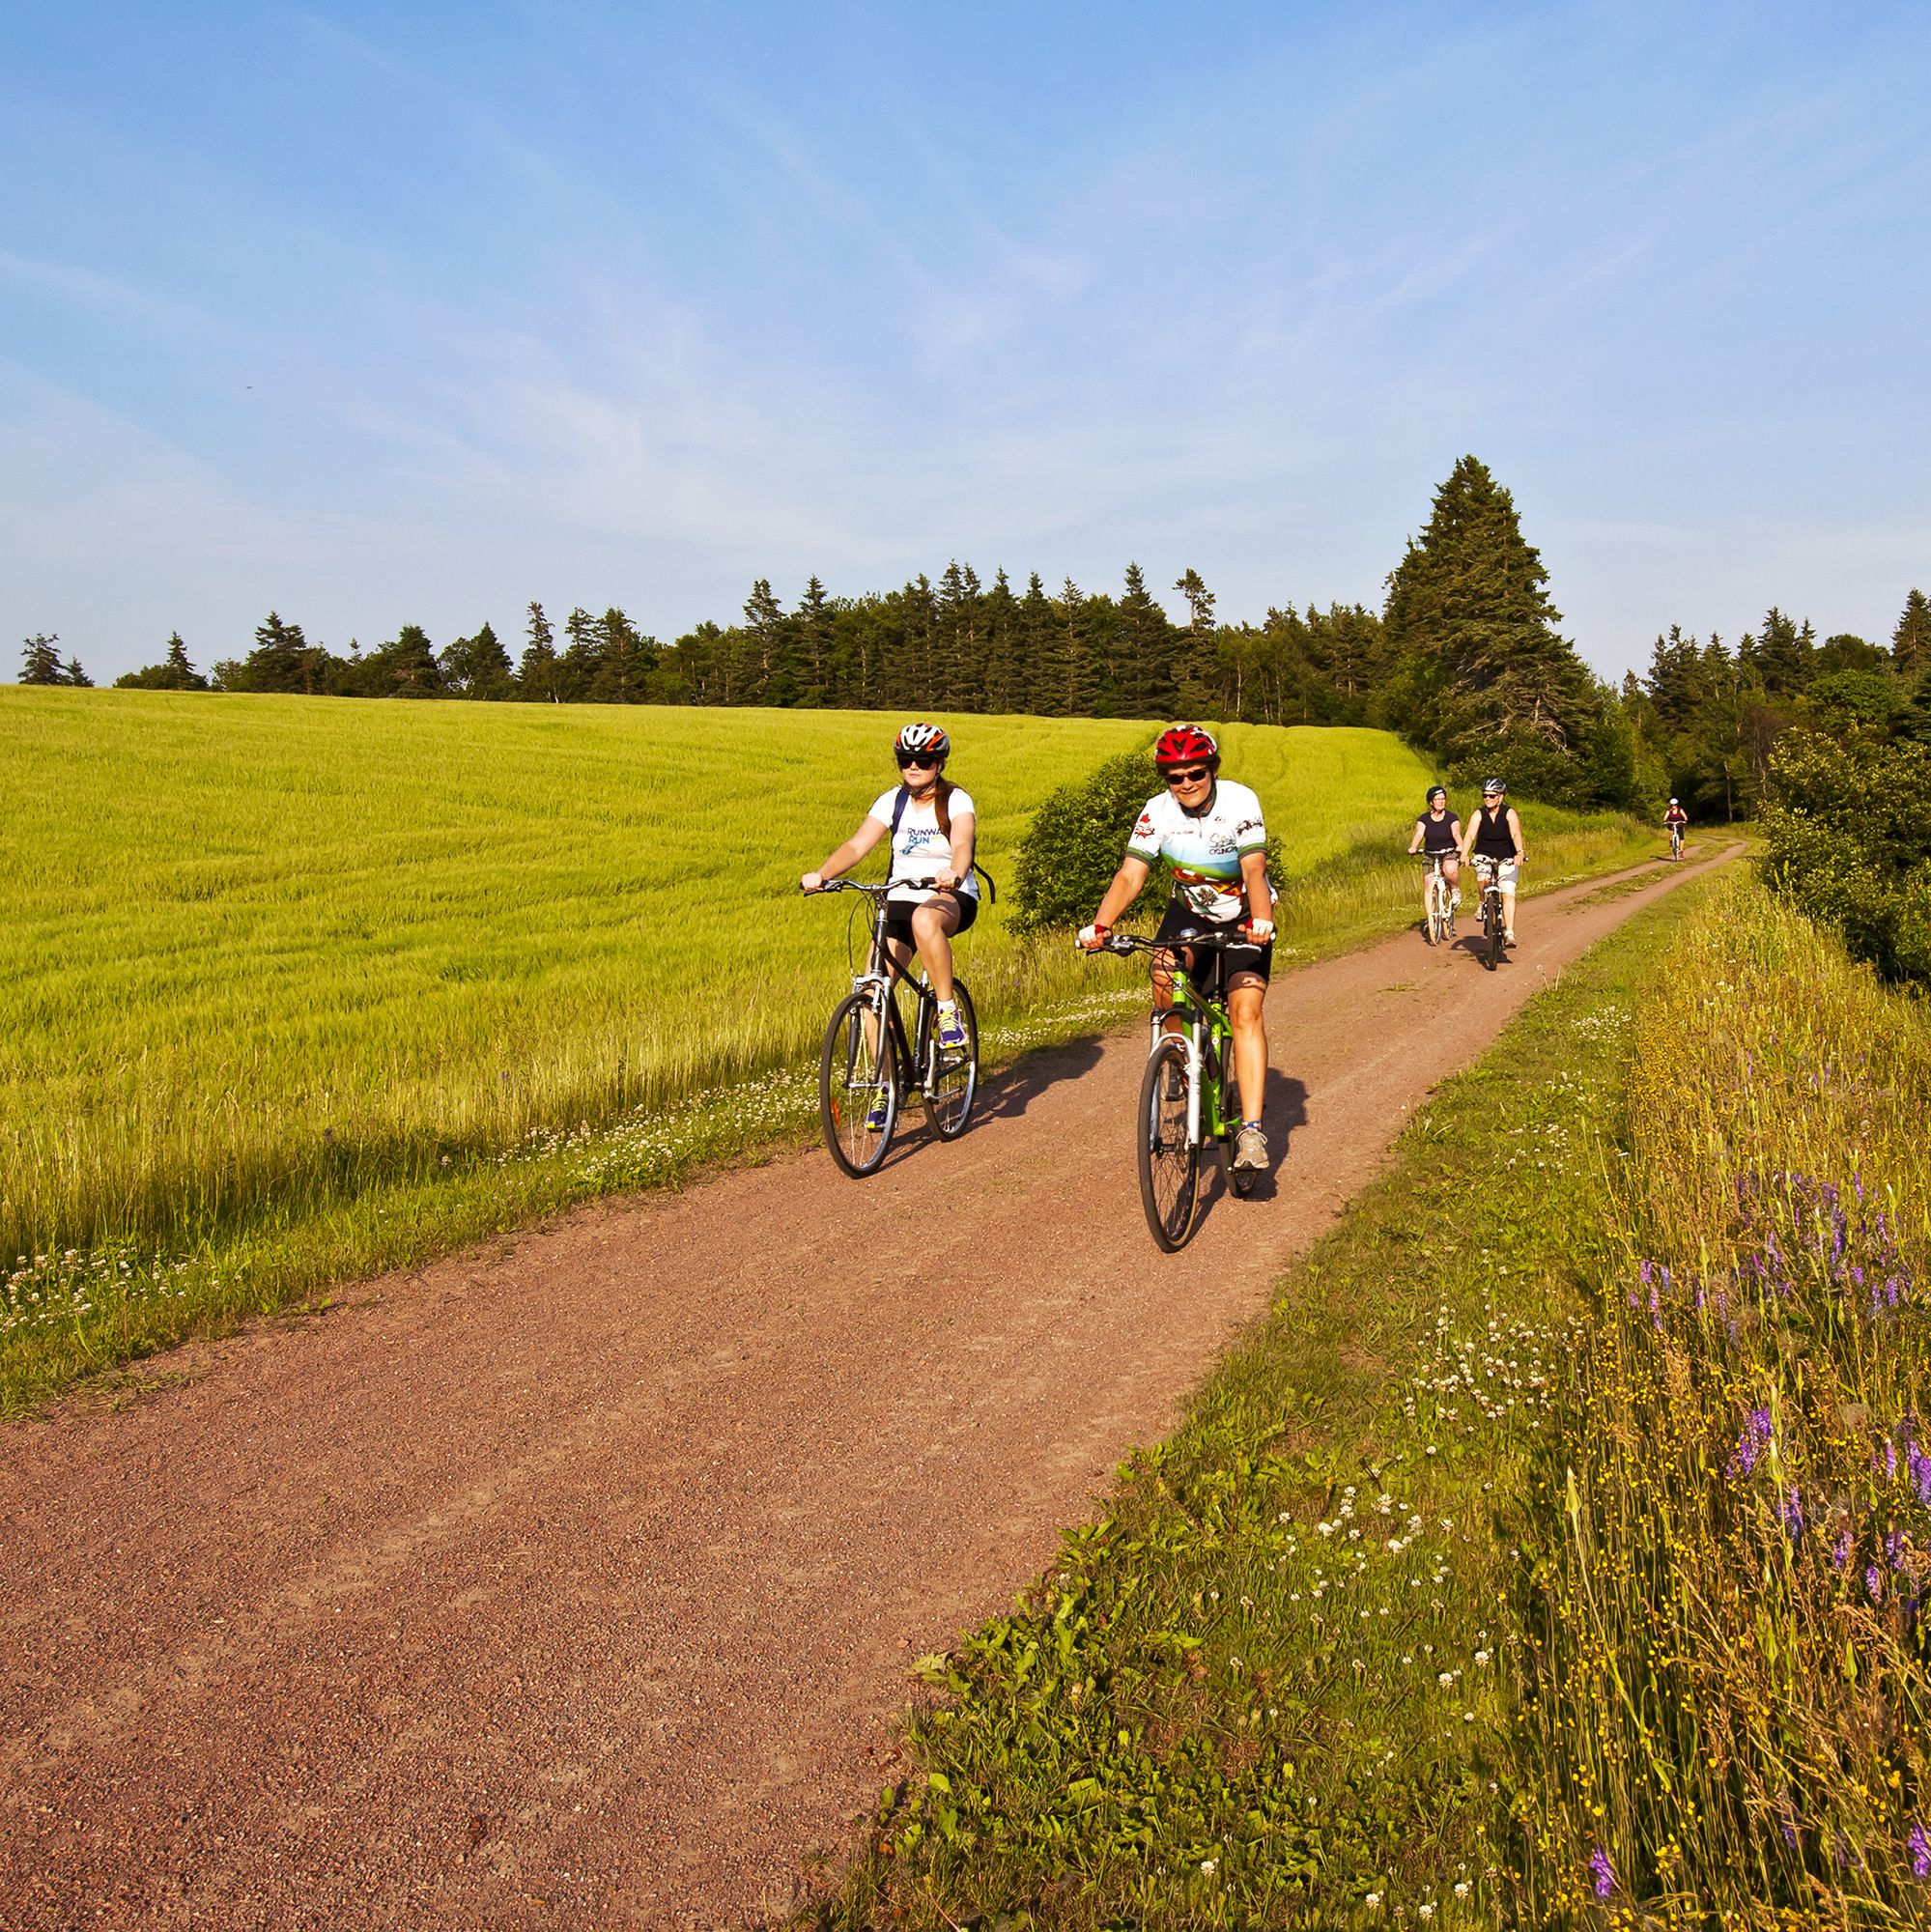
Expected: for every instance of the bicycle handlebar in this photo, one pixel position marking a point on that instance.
(1124, 943)
(876, 892)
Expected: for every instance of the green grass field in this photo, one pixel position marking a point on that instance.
(273, 956)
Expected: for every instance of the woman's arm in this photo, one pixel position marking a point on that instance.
(1120, 894)
(1259, 901)
(1414, 843)
(870, 832)
(1516, 832)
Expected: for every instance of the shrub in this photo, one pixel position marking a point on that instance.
(1849, 843)
(1076, 843)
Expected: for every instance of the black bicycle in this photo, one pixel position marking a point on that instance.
(1188, 1098)
(870, 1063)
(1495, 931)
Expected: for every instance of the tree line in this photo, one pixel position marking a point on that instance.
(1465, 658)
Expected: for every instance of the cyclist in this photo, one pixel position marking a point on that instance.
(1674, 822)
(929, 821)
(1438, 830)
(1213, 832)
(1495, 833)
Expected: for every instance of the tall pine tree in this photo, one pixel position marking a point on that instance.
(39, 662)
(1910, 641)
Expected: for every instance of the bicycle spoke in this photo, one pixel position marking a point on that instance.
(857, 1087)
(951, 1073)
(1168, 1161)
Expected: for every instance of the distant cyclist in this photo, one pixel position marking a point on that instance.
(1495, 834)
(1438, 830)
(1674, 820)
(1213, 832)
(929, 821)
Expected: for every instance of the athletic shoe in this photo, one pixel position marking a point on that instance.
(881, 1112)
(1508, 939)
(1250, 1149)
(952, 1029)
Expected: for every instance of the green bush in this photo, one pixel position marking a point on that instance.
(1849, 843)
(1076, 843)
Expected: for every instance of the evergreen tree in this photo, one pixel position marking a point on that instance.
(815, 646)
(1910, 641)
(537, 678)
(1781, 654)
(72, 673)
(576, 667)
(769, 679)
(478, 667)
(1072, 677)
(1469, 611)
(1195, 658)
(406, 666)
(283, 660)
(1004, 669)
(173, 674)
(625, 660)
(1141, 670)
(39, 662)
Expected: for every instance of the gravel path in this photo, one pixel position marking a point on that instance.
(571, 1581)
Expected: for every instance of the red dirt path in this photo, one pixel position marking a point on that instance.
(571, 1581)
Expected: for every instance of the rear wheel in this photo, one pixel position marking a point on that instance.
(952, 1073)
(1169, 1163)
(857, 1087)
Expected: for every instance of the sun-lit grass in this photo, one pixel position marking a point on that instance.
(1726, 1693)
(276, 960)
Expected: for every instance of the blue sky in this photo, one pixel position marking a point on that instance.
(381, 315)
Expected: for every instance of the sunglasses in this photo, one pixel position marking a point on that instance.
(1188, 778)
(923, 760)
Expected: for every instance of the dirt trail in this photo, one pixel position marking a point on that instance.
(573, 1582)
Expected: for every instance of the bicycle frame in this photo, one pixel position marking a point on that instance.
(881, 976)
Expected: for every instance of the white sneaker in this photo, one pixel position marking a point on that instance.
(1250, 1149)
(1508, 939)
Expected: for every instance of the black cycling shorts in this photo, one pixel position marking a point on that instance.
(1239, 958)
(898, 918)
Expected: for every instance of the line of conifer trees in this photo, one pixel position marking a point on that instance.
(1465, 658)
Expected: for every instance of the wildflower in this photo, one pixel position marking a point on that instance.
(1874, 1582)
(1209, 1865)
(1462, 1889)
(1750, 1444)
(1840, 1551)
(1921, 1851)
(1603, 1872)
(1373, 1901)
(1793, 1513)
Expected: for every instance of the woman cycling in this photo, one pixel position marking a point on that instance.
(929, 821)
(1438, 831)
(1495, 834)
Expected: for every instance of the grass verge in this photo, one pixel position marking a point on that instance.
(1274, 1684)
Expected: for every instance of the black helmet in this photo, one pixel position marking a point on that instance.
(1437, 793)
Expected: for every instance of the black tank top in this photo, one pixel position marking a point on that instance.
(1493, 837)
(1439, 834)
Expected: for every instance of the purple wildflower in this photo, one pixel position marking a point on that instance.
(1750, 1444)
(1921, 1851)
(1874, 1582)
(1840, 1551)
(1603, 1872)
(1793, 1513)
(1890, 1461)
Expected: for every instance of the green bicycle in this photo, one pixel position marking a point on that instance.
(1188, 1102)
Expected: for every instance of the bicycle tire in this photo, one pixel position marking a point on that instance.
(1491, 924)
(951, 1108)
(850, 1073)
(1167, 1160)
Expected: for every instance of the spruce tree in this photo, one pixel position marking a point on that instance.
(771, 679)
(406, 666)
(1910, 641)
(576, 667)
(536, 675)
(625, 660)
(1141, 673)
(1005, 681)
(1781, 654)
(1469, 614)
(1195, 655)
(1073, 681)
(39, 662)
(815, 622)
(72, 673)
(478, 667)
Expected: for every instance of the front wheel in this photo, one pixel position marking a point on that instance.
(1491, 924)
(1168, 1159)
(951, 1072)
(858, 1086)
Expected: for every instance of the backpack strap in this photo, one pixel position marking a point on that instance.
(899, 806)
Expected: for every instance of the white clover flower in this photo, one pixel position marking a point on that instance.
(1462, 1889)
(1445, 1678)
(1209, 1865)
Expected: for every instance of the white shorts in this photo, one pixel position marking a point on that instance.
(1506, 870)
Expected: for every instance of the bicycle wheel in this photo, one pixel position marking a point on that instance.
(857, 1070)
(1438, 915)
(1491, 926)
(951, 1073)
(1169, 1163)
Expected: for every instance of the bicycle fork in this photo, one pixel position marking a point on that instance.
(1191, 1034)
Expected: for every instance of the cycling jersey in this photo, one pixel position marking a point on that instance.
(918, 848)
(1439, 834)
(1205, 847)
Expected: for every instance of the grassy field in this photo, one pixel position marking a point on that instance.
(305, 987)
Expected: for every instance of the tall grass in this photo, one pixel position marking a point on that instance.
(1725, 1691)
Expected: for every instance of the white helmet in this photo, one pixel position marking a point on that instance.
(923, 738)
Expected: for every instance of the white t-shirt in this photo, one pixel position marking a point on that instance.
(918, 848)
(1206, 850)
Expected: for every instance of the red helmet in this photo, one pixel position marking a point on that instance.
(1185, 745)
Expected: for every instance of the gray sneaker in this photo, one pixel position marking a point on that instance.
(1250, 1149)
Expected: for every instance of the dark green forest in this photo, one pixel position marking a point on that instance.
(1465, 658)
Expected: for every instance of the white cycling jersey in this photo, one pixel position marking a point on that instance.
(1206, 849)
(918, 848)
